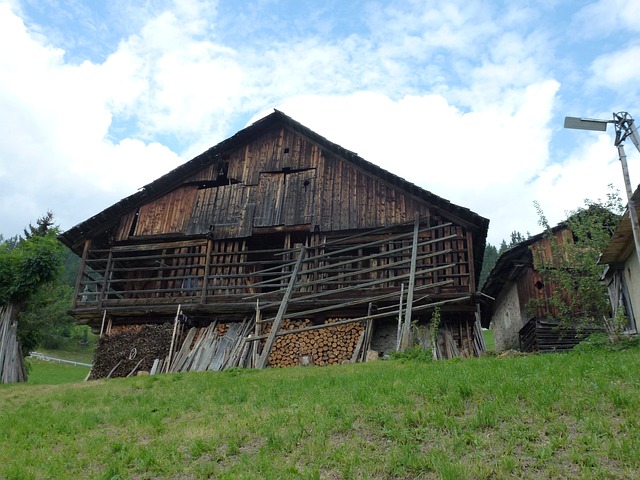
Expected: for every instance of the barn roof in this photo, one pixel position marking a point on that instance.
(109, 216)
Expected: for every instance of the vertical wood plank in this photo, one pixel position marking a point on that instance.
(262, 361)
(412, 279)
(81, 272)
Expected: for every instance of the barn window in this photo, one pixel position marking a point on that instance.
(134, 223)
(539, 285)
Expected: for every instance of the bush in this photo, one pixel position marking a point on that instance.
(416, 354)
(602, 341)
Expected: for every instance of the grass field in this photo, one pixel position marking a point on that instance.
(50, 373)
(546, 416)
(70, 349)
(488, 339)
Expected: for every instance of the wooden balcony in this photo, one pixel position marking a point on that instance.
(321, 274)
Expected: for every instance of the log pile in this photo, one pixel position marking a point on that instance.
(129, 349)
(324, 346)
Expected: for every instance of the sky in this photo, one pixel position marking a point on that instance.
(465, 98)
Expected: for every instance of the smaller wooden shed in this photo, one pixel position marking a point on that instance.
(520, 312)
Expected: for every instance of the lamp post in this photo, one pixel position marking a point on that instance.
(625, 128)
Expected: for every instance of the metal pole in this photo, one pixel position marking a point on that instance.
(633, 215)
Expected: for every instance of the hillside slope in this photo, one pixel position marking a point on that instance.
(548, 416)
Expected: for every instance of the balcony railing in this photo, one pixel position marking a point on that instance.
(370, 264)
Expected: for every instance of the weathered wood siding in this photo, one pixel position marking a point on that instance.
(226, 211)
(350, 198)
(276, 179)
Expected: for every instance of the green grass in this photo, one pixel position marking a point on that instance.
(549, 416)
(488, 339)
(50, 373)
(71, 349)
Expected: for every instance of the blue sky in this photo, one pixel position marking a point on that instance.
(465, 98)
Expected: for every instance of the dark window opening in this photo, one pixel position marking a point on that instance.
(134, 223)
(219, 182)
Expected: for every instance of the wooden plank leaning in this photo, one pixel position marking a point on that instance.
(266, 351)
(404, 343)
(173, 338)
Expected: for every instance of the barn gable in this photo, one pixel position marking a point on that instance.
(274, 172)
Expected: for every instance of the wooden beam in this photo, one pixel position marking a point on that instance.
(358, 319)
(207, 270)
(266, 351)
(173, 338)
(412, 280)
(83, 266)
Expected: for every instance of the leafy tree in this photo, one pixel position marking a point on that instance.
(29, 269)
(44, 321)
(43, 226)
(572, 271)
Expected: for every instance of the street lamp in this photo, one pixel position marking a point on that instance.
(625, 128)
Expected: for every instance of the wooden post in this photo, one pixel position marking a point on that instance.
(83, 266)
(207, 270)
(104, 316)
(412, 280)
(268, 345)
(399, 334)
(173, 336)
(105, 280)
(258, 331)
(368, 332)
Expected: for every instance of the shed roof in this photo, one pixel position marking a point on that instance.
(621, 243)
(105, 219)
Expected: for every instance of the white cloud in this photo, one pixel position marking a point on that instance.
(608, 17)
(55, 151)
(586, 174)
(619, 69)
(463, 157)
(457, 97)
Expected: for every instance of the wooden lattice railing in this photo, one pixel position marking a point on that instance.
(373, 264)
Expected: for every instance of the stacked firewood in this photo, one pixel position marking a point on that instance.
(324, 346)
(129, 349)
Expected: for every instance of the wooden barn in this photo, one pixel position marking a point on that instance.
(276, 247)
(520, 314)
